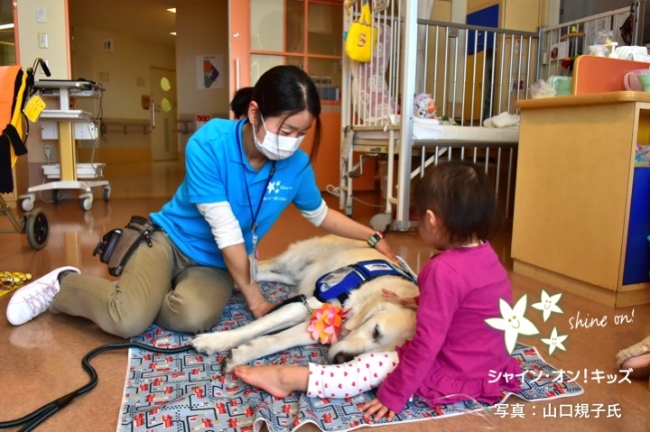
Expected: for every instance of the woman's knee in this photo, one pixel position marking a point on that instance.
(128, 327)
(194, 321)
(197, 300)
(189, 316)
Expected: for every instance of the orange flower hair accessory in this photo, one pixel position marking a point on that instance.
(325, 323)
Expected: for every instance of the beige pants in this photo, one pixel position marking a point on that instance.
(159, 284)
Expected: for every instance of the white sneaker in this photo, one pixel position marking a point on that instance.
(31, 300)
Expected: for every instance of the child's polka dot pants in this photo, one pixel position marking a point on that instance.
(357, 376)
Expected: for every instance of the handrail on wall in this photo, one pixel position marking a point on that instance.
(126, 125)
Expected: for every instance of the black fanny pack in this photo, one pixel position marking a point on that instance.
(117, 246)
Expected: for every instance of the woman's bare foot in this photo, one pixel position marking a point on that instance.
(279, 381)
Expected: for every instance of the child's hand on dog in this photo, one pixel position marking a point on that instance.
(394, 298)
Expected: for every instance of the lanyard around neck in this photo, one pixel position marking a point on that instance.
(255, 214)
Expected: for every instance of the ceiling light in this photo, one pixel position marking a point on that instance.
(172, 10)
(6, 26)
(172, 33)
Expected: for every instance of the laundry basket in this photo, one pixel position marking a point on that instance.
(15, 89)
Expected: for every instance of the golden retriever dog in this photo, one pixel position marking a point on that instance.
(372, 322)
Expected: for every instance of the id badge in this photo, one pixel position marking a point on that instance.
(33, 108)
(252, 260)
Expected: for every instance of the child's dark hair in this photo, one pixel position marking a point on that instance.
(287, 90)
(460, 195)
(240, 102)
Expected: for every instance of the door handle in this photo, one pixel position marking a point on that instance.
(153, 114)
(237, 78)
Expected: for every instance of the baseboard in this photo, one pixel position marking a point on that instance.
(627, 296)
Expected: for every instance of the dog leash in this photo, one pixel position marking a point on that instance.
(32, 420)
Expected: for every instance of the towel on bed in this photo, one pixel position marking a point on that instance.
(503, 120)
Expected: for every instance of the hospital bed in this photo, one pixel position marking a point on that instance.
(473, 72)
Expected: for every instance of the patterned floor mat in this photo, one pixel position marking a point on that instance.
(185, 392)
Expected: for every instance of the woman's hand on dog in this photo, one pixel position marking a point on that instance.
(378, 409)
(260, 309)
(383, 247)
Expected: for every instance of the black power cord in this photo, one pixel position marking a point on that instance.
(35, 418)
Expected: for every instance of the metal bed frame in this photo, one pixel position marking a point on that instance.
(434, 57)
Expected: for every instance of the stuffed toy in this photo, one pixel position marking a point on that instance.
(642, 157)
(424, 106)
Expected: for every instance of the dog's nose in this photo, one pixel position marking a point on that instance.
(343, 357)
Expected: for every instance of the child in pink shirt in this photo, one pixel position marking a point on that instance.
(453, 352)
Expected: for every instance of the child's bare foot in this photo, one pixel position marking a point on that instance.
(637, 358)
(279, 381)
(640, 366)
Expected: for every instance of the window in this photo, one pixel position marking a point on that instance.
(305, 33)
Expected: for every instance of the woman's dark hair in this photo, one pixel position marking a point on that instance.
(240, 102)
(460, 195)
(285, 91)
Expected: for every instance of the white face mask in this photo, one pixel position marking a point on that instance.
(276, 147)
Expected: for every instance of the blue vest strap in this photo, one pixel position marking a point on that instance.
(339, 283)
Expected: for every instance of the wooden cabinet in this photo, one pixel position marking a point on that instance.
(574, 196)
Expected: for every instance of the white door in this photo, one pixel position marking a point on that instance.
(164, 140)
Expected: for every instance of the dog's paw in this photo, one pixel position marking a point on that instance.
(236, 357)
(210, 343)
(225, 364)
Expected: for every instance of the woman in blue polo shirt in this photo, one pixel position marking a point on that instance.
(240, 177)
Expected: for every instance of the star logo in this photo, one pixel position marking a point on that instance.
(548, 304)
(555, 341)
(513, 322)
(272, 187)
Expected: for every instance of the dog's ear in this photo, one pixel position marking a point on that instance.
(356, 317)
(365, 312)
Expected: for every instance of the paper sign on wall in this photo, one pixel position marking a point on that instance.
(208, 71)
(201, 119)
(107, 45)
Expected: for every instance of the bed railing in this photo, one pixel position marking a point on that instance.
(573, 38)
(471, 72)
(475, 72)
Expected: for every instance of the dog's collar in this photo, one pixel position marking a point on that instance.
(299, 298)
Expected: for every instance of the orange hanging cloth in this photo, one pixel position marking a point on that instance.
(12, 141)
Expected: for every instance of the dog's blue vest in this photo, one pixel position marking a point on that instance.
(339, 283)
